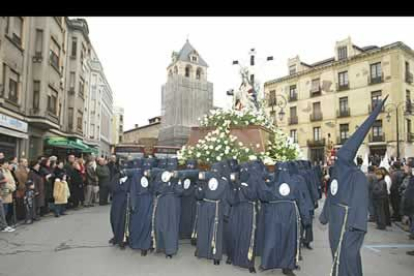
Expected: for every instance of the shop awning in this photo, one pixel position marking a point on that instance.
(10, 132)
(62, 142)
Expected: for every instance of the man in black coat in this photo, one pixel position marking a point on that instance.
(397, 179)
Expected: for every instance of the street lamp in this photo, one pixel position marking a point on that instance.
(395, 107)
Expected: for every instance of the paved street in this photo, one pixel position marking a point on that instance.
(77, 244)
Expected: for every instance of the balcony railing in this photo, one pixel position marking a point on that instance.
(342, 87)
(377, 79)
(343, 113)
(315, 91)
(317, 116)
(293, 120)
(410, 137)
(316, 143)
(409, 77)
(340, 140)
(293, 97)
(377, 138)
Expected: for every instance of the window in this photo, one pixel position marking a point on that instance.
(198, 73)
(17, 30)
(316, 107)
(13, 86)
(409, 127)
(342, 52)
(343, 79)
(74, 47)
(194, 58)
(315, 87)
(294, 135)
(39, 43)
(376, 71)
(70, 117)
(36, 95)
(343, 104)
(292, 69)
(52, 100)
(272, 98)
(375, 98)
(54, 54)
(79, 120)
(408, 75)
(317, 135)
(252, 79)
(187, 71)
(82, 57)
(81, 88)
(293, 112)
(377, 128)
(121, 118)
(343, 131)
(72, 81)
(3, 80)
(251, 60)
(408, 106)
(293, 92)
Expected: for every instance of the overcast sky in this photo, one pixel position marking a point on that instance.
(135, 51)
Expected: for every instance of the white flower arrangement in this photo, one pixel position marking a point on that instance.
(219, 144)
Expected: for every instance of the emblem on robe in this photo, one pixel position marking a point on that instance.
(187, 183)
(213, 184)
(144, 182)
(166, 176)
(284, 189)
(334, 187)
(122, 180)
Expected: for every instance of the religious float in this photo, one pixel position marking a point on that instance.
(244, 132)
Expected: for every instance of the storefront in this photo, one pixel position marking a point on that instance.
(13, 136)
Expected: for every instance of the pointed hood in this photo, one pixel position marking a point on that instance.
(349, 150)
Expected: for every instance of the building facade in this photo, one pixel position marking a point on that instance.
(328, 100)
(186, 96)
(140, 134)
(117, 125)
(44, 86)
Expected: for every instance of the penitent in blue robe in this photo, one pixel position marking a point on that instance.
(141, 212)
(284, 208)
(118, 209)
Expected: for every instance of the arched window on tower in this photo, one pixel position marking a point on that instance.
(199, 73)
(187, 71)
(175, 70)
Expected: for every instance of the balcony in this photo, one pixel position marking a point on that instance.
(293, 97)
(315, 91)
(377, 138)
(293, 120)
(372, 107)
(342, 87)
(377, 79)
(316, 143)
(410, 137)
(342, 113)
(341, 140)
(316, 116)
(409, 77)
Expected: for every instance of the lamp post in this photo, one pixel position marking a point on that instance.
(395, 107)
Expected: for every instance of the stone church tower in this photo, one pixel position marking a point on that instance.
(186, 96)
